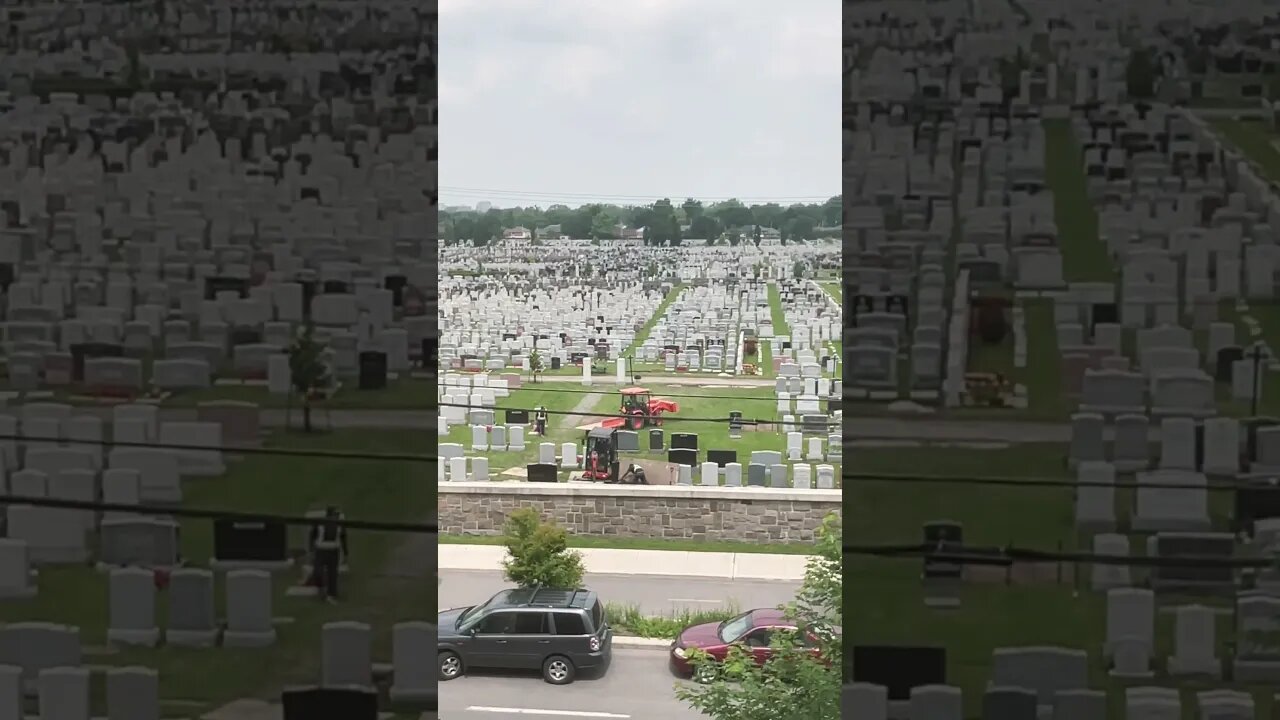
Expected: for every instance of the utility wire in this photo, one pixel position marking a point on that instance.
(277, 452)
(677, 199)
(570, 391)
(205, 514)
(891, 478)
(667, 418)
(967, 555)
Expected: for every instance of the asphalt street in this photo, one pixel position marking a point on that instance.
(654, 594)
(636, 686)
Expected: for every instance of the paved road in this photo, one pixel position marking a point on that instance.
(637, 686)
(653, 594)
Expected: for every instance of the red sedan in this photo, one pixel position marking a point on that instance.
(752, 630)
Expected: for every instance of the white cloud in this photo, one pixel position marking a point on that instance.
(624, 98)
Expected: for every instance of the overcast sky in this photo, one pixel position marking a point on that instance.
(573, 101)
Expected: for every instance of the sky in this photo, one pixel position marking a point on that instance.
(629, 101)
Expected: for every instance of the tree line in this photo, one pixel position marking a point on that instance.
(664, 223)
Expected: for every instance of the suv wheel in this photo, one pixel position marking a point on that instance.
(558, 670)
(450, 665)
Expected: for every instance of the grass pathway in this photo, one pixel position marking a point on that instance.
(657, 315)
(585, 405)
(1084, 256)
(780, 326)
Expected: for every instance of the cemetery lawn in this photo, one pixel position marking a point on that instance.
(402, 394)
(1084, 256)
(886, 596)
(382, 588)
(706, 416)
(1254, 139)
(780, 326)
(835, 290)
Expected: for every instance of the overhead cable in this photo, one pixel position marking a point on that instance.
(234, 449)
(207, 514)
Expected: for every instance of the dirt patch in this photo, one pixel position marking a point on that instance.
(573, 419)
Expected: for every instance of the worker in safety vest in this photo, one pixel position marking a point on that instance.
(330, 547)
(540, 420)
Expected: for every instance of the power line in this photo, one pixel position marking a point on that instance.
(890, 478)
(571, 391)
(674, 197)
(234, 449)
(668, 418)
(205, 514)
(960, 554)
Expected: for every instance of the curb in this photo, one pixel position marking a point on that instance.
(628, 641)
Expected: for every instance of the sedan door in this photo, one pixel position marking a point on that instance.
(758, 641)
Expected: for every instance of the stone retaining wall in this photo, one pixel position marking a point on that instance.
(639, 511)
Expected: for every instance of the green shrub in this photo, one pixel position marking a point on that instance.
(628, 620)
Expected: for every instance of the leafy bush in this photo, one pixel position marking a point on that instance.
(628, 620)
(538, 553)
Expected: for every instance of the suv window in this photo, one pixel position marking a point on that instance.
(531, 623)
(597, 615)
(568, 623)
(499, 623)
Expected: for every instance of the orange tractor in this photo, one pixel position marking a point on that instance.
(640, 409)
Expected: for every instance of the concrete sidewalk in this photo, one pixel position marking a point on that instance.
(670, 563)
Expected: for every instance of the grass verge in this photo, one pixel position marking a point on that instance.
(612, 543)
(628, 620)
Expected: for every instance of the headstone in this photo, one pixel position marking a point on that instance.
(133, 608)
(249, 621)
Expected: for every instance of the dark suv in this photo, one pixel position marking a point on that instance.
(556, 631)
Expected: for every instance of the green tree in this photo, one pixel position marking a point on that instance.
(731, 213)
(793, 684)
(577, 224)
(756, 235)
(672, 230)
(604, 224)
(535, 364)
(801, 227)
(797, 270)
(308, 370)
(1140, 74)
(692, 209)
(831, 212)
(768, 215)
(705, 227)
(538, 553)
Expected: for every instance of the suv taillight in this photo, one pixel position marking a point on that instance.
(595, 643)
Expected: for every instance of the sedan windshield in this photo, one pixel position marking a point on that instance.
(731, 630)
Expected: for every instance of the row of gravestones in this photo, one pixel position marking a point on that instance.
(44, 660)
(684, 446)
(1216, 446)
(938, 702)
(710, 474)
